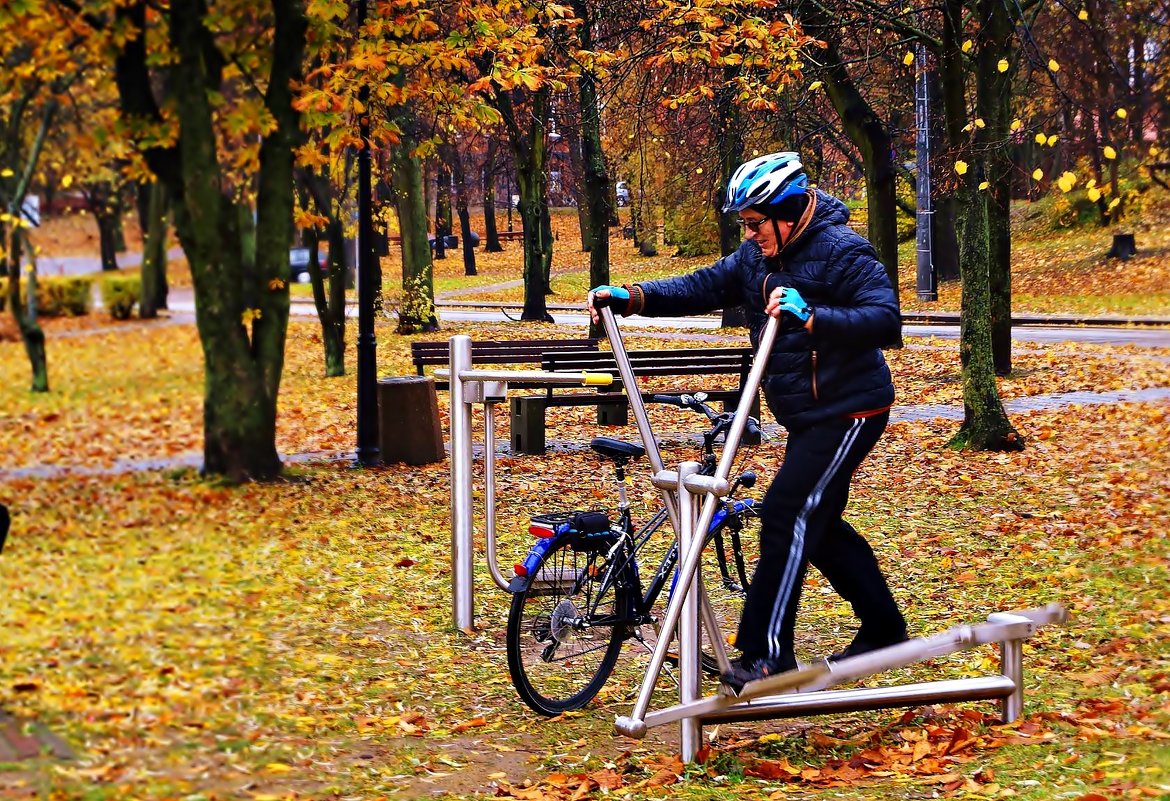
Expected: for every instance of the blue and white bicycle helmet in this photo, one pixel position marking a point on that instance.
(766, 181)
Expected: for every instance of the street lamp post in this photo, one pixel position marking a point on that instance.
(925, 277)
(368, 452)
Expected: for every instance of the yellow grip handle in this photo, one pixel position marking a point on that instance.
(596, 379)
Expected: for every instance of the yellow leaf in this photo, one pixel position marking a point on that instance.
(984, 185)
(277, 767)
(276, 284)
(967, 45)
(1041, 138)
(698, 171)
(1064, 183)
(979, 123)
(815, 85)
(1092, 182)
(1037, 174)
(1113, 203)
(908, 59)
(66, 181)
(1053, 66)
(1003, 65)
(1082, 15)
(6, 173)
(1109, 152)
(1052, 140)
(1154, 151)
(1094, 194)
(961, 167)
(1017, 125)
(1122, 113)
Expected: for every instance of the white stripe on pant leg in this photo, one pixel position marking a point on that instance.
(795, 551)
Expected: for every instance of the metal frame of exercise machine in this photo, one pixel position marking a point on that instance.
(691, 500)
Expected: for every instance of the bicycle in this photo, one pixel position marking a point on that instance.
(578, 596)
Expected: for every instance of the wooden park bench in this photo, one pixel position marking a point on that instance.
(501, 351)
(528, 411)
(575, 355)
(504, 236)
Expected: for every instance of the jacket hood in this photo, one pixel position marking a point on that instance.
(829, 211)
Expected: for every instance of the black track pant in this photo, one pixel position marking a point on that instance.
(801, 523)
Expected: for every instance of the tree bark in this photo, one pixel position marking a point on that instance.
(985, 423)
(869, 135)
(454, 160)
(24, 310)
(597, 192)
(442, 209)
(409, 201)
(328, 290)
(529, 153)
(490, 231)
(731, 147)
(153, 291)
(241, 302)
(12, 242)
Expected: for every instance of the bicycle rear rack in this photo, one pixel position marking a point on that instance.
(803, 691)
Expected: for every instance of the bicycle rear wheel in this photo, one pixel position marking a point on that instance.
(566, 629)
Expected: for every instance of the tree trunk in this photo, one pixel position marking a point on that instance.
(490, 233)
(529, 153)
(442, 209)
(153, 293)
(24, 311)
(328, 291)
(597, 192)
(12, 242)
(574, 134)
(454, 159)
(985, 423)
(241, 305)
(731, 147)
(994, 104)
(107, 238)
(417, 269)
(870, 136)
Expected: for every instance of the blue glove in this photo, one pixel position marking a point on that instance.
(793, 304)
(618, 299)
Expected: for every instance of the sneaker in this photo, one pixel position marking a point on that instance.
(748, 671)
(863, 645)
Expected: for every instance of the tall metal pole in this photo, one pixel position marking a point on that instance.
(926, 282)
(368, 453)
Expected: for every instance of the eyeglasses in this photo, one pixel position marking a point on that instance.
(752, 225)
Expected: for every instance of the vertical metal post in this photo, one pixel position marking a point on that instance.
(926, 281)
(1011, 656)
(690, 729)
(462, 589)
(368, 452)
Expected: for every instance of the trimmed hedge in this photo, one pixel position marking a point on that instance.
(65, 296)
(120, 294)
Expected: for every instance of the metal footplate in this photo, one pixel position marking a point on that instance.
(804, 691)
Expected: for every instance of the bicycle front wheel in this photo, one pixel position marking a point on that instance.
(735, 541)
(565, 630)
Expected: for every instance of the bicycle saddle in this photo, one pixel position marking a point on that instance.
(616, 448)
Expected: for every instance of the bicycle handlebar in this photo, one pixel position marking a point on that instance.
(684, 401)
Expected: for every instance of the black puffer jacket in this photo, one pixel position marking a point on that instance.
(838, 369)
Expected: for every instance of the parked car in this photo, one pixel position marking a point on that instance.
(622, 191)
(298, 264)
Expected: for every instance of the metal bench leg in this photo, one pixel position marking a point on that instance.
(528, 424)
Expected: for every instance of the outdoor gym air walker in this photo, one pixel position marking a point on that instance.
(692, 501)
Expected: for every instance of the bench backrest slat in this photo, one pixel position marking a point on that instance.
(527, 351)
